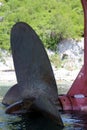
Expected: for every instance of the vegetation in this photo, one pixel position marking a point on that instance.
(55, 60)
(53, 20)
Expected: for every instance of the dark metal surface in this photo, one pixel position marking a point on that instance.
(30, 58)
(34, 75)
(32, 66)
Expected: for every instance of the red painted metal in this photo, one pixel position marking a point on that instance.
(76, 102)
(76, 98)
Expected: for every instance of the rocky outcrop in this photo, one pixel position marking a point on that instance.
(71, 52)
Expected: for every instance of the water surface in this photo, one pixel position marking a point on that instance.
(72, 120)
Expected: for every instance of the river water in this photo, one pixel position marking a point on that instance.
(72, 120)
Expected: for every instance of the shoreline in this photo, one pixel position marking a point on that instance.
(60, 75)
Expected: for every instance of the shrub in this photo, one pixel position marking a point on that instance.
(53, 20)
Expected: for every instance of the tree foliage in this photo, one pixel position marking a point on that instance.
(53, 20)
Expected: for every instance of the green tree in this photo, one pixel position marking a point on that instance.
(53, 20)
